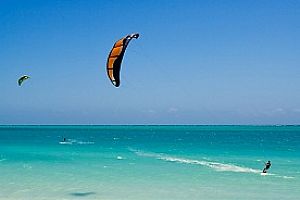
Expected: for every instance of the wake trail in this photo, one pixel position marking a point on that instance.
(221, 167)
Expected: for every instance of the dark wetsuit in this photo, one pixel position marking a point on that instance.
(268, 165)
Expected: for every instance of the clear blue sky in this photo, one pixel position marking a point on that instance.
(196, 62)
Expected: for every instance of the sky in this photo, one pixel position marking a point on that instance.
(195, 62)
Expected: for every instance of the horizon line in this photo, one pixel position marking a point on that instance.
(149, 124)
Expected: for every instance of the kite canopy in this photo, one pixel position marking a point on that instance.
(115, 58)
(23, 78)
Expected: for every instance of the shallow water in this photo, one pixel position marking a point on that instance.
(149, 162)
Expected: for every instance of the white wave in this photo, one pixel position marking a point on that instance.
(2, 159)
(88, 142)
(277, 176)
(285, 177)
(73, 141)
(66, 143)
(211, 164)
(214, 165)
(120, 158)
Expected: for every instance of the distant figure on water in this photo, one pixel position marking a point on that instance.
(267, 166)
(65, 141)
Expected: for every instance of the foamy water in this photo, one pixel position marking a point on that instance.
(211, 164)
(74, 141)
(222, 167)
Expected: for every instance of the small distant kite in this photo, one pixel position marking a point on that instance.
(23, 78)
(115, 58)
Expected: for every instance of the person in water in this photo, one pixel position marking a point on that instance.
(268, 165)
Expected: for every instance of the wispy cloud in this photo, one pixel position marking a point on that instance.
(151, 111)
(297, 110)
(278, 110)
(172, 110)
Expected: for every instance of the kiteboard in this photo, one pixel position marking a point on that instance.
(265, 174)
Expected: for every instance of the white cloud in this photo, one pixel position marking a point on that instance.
(173, 110)
(279, 110)
(151, 111)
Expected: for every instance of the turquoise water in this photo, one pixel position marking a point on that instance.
(149, 162)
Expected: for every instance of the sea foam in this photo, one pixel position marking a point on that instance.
(211, 164)
(222, 167)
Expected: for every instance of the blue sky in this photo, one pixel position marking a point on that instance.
(196, 62)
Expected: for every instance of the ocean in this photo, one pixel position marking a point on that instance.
(149, 162)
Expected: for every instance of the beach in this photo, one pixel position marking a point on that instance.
(149, 162)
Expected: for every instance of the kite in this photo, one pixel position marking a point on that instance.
(23, 78)
(114, 60)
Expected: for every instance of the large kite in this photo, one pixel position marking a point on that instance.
(115, 58)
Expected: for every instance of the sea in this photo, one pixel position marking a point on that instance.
(146, 162)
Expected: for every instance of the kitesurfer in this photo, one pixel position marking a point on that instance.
(267, 166)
